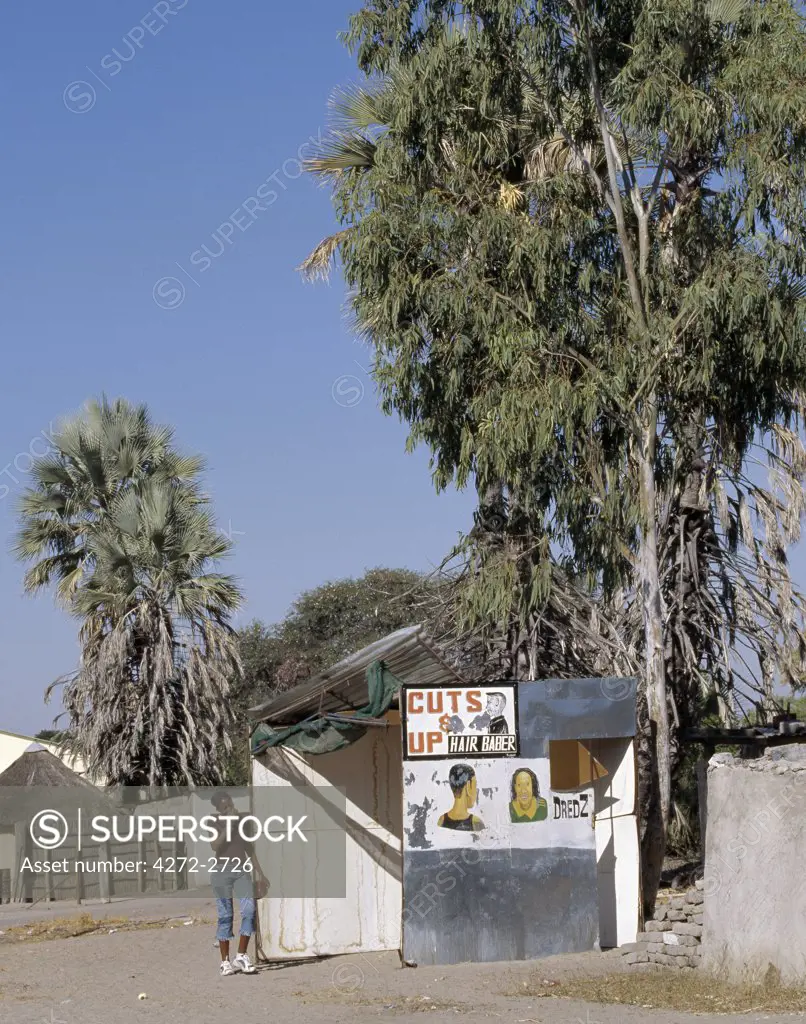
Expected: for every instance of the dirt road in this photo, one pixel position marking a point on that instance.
(97, 979)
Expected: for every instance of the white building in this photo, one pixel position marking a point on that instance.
(14, 745)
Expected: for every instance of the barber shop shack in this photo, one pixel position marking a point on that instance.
(485, 821)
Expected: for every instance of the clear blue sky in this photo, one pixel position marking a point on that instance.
(119, 168)
(103, 198)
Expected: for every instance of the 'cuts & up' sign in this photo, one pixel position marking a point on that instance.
(462, 721)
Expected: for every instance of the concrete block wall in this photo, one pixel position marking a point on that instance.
(755, 881)
(673, 937)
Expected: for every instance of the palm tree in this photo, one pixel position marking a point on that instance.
(110, 446)
(116, 518)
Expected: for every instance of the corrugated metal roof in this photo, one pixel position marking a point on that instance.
(407, 654)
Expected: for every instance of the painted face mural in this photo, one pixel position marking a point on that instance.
(495, 704)
(526, 804)
(462, 780)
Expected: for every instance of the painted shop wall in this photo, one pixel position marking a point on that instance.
(617, 848)
(499, 852)
(600, 713)
(369, 918)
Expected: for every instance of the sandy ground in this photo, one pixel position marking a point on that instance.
(97, 979)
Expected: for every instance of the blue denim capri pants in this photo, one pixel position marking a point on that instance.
(225, 887)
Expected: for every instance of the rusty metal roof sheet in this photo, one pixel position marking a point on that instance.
(407, 653)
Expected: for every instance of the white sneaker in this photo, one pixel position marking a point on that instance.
(227, 968)
(243, 964)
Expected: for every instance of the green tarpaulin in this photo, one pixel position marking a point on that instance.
(325, 733)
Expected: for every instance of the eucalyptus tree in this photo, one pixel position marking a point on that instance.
(116, 519)
(574, 238)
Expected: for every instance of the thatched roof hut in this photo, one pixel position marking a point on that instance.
(28, 785)
(38, 767)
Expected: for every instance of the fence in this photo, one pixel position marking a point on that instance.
(95, 872)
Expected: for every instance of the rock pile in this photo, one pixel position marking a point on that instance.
(672, 937)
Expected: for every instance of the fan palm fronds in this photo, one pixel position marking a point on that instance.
(341, 152)
(117, 521)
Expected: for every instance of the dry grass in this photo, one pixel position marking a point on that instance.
(672, 989)
(410, 1004)
(415, 1004)
(82, 924)
(385, 1001)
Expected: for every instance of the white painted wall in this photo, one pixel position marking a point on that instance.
(426, 785)
(369, 918)
(616, 831)
(13, 746)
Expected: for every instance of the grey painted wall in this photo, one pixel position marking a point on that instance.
(474, 905)
(488, 904)
(574, 709)
(755, 882)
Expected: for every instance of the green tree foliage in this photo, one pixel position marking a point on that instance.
(323, 626)
(573, 234)
(116, 519)
(329, 622)
(336, 619)
(49, 735)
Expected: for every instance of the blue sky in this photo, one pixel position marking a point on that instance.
(153, 219)
(119, 168)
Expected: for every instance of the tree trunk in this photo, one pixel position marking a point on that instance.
(656, 724)
(652, 833)
(686, 549)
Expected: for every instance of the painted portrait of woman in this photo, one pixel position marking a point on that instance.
(527, 804)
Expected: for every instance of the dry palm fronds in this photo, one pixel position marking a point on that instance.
(318, 264)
